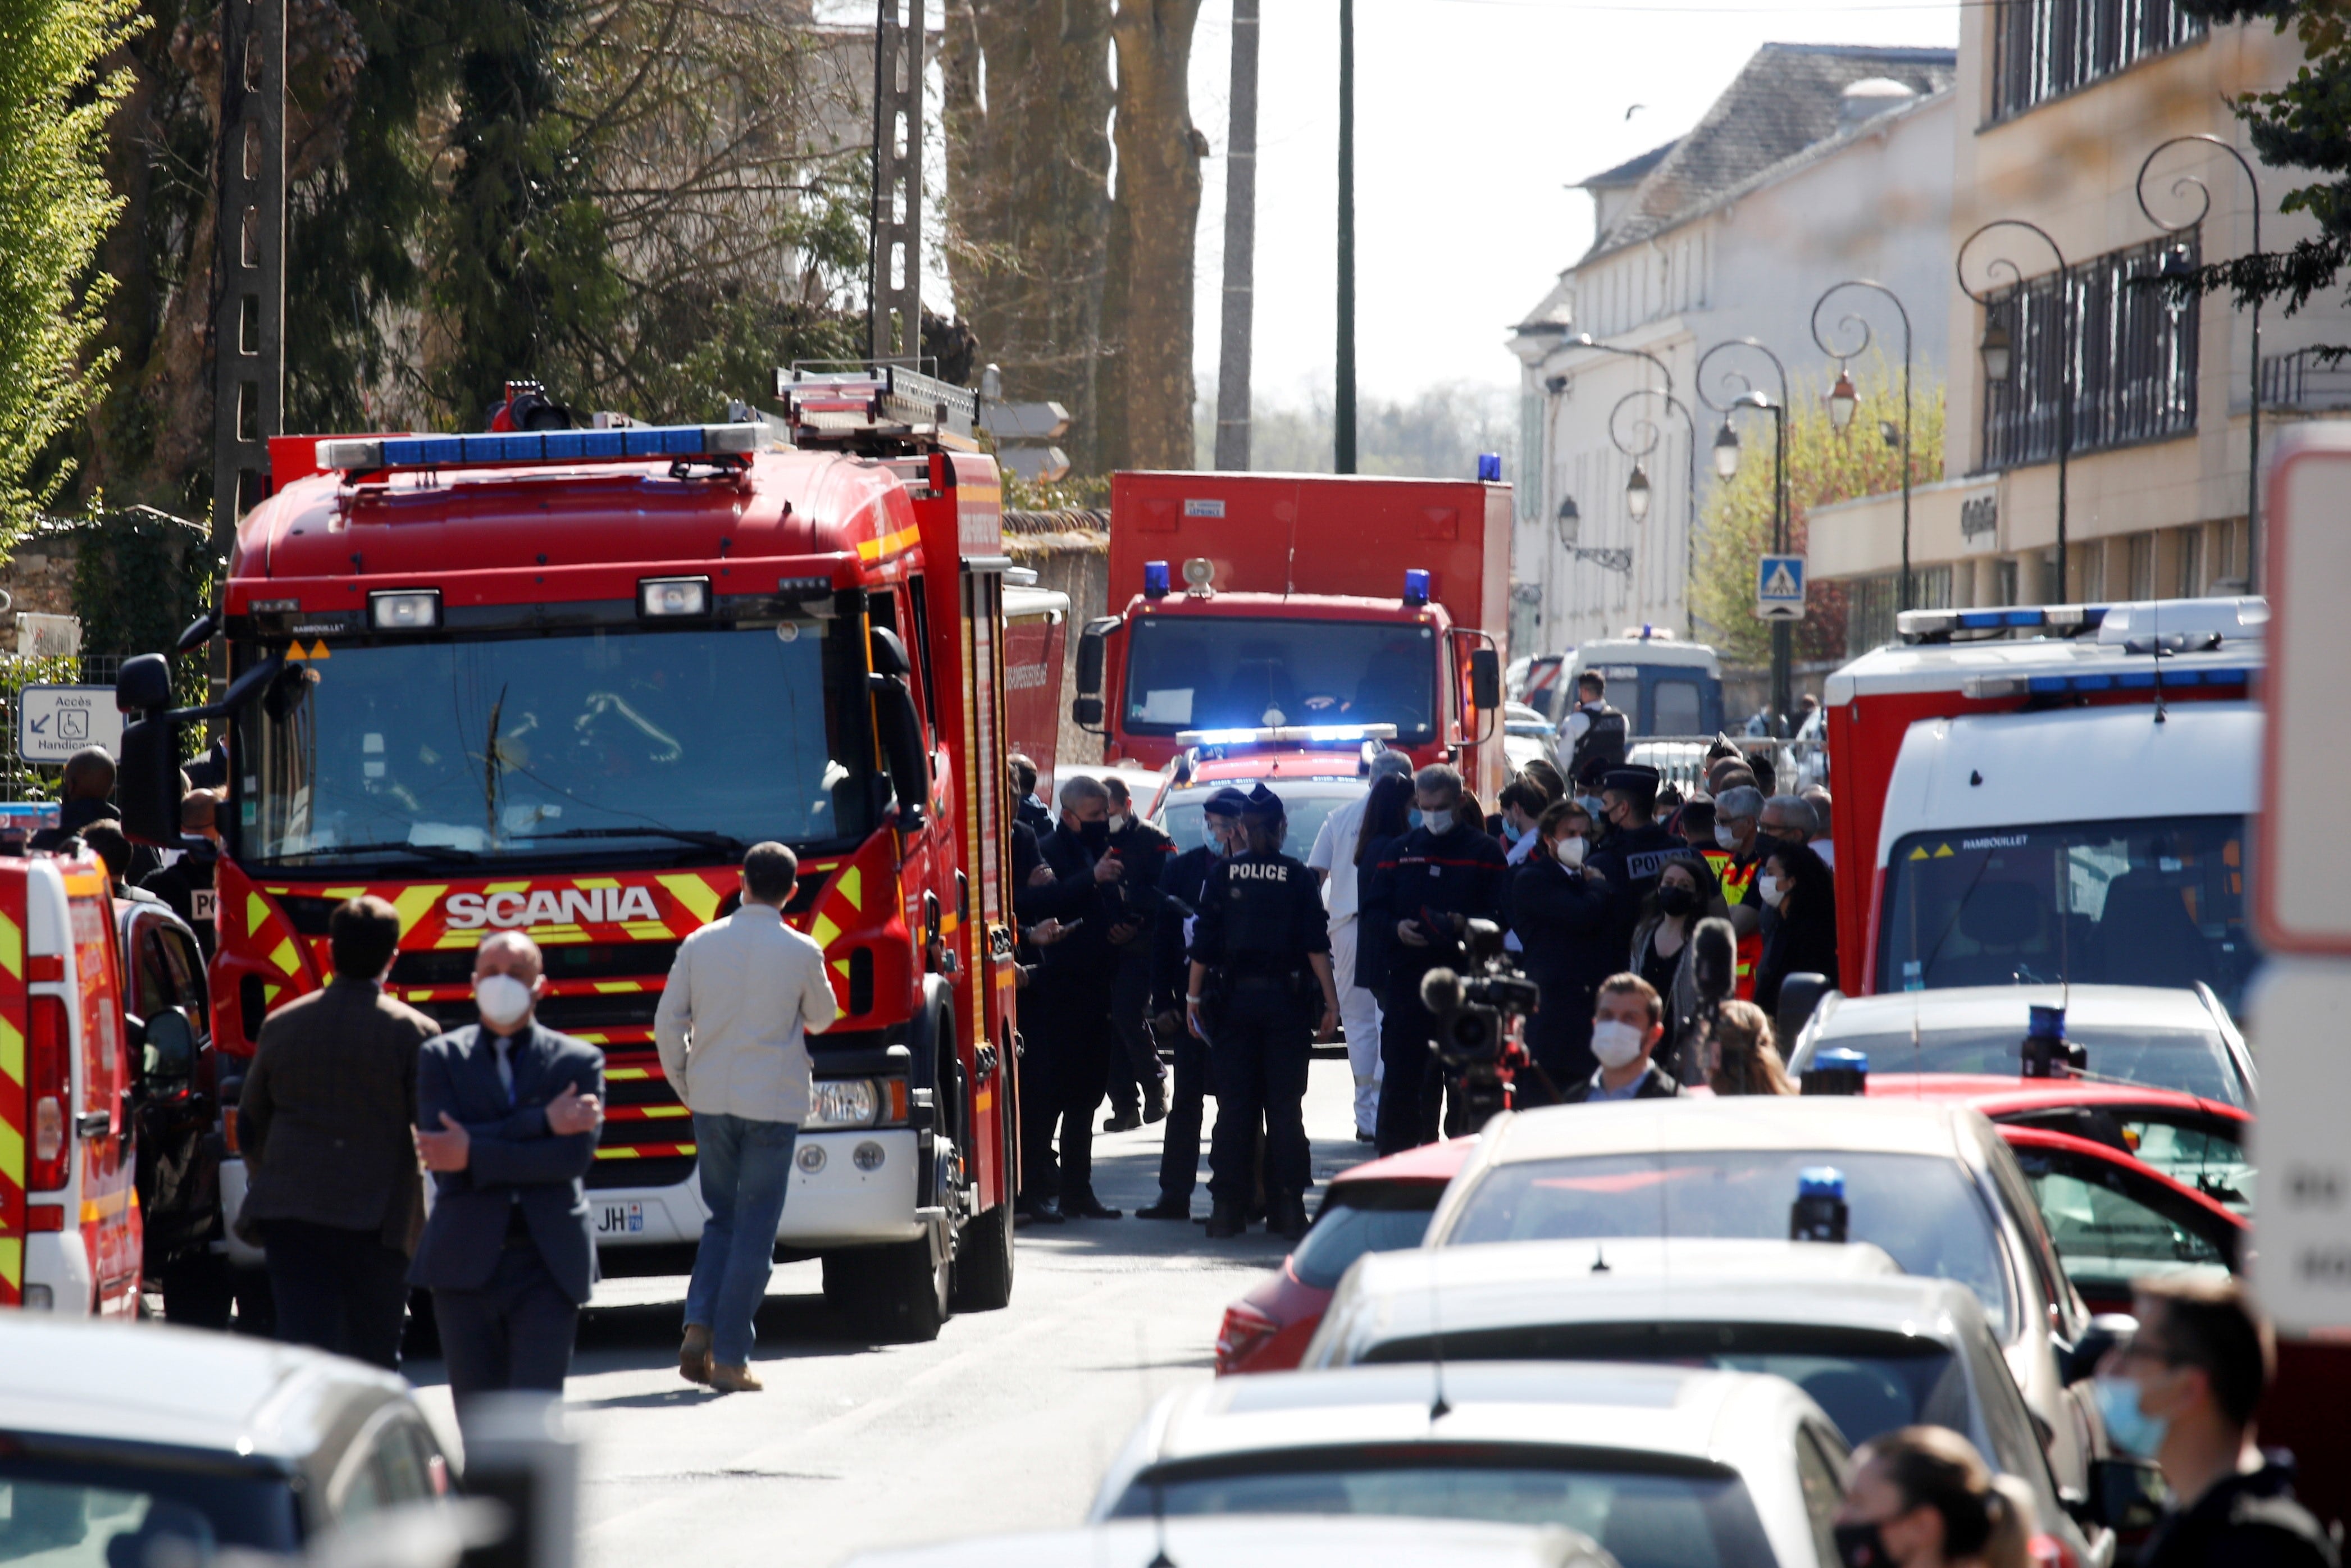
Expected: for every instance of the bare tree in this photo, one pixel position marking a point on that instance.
(1156, 217)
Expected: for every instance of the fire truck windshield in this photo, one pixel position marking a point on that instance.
(604, 742)
(1186, 671)
(2139, 901)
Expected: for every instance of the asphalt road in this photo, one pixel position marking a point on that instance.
(1004, 1422)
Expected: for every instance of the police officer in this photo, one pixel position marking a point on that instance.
(1597, 732)
(1181, 883)
(1146, 852)
(1634, 851)
(1262, 929)
(1068, 1007)
(1448, 870)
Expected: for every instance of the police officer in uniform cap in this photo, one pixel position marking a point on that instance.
(1636, 847)
(1261, 931)
(1182, 882)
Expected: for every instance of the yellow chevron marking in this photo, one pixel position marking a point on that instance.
(505, 887)
(661, 1112)
(842, 965)
(12, 1263)
(12, 948)
(270, 992)
(12, 1053)
(822, 930)
(459, 939)
(413, 903)
(592, 1039)
(587, 881)
(339, 894)
(285, 957)
(626, 1074)
(701, 900)
(12, 1154)
(853, 887)
(618, 1154)
(256, 913)
(556, 935)
(618, 987)
(646, 931)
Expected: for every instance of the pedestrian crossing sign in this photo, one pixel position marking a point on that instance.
(1779, 587)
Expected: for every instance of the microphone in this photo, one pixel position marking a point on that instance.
(1440, 991)
(1714, 958)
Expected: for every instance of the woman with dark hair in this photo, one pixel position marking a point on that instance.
(1561, 914)
(1686, 893)
(1795, 883)
(1923, 1497)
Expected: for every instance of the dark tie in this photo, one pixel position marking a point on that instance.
(504, 1045)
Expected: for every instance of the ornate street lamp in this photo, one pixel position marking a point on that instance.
(1571, 522)
(1725, 451)
(1725, 463)
(1636, 494)
(1998, 351)
(1843, 401)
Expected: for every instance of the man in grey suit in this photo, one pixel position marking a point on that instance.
(507, 1114)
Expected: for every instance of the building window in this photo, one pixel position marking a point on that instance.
(2229, 557)
(2142, 566)
(1871, 603)
(2191, 562)
(2044, 49)
(2133, 354)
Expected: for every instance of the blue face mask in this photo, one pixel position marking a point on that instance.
(2133, 1430)
(1413, 816)
(1511, 835)
(1214, 840)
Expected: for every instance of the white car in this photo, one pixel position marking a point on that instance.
(2178, 1039)
(1663, 1466)
(113, 1437)
(1875, 1348)
(1928, 1181)
(1315, 1541)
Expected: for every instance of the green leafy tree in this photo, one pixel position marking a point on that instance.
(1823, 466)
(55, 207)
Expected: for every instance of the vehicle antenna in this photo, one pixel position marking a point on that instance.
(1917, 1063)
(2154, 624)
(1438, 1406)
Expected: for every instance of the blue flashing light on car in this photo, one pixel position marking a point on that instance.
(1156, 579)
(375, 454)
(1415, 586)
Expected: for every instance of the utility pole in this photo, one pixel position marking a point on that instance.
(249, 321)
(1342, 422)
(895, 329)
(1240, 249)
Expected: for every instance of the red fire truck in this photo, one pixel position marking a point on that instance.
(557, 682)
(1279, 612)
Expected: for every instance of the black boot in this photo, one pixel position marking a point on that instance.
(1166, 1208)
(1288, 1217)
(1224, 1221)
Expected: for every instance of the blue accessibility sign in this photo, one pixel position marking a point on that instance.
(1779, 587)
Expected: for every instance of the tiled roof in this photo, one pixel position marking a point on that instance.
(1628, 172)
(1785, 100)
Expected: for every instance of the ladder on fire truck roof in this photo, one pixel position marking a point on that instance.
(885, 411)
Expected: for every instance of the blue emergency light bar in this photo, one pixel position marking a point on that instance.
(1290, 734)
(374, 454)
(1154, 579)
(1415, 586)
(1940, 625)
(1821, 1181)
(1490, 467)
(1994, 688)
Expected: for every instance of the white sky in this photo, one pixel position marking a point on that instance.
(1471, 117)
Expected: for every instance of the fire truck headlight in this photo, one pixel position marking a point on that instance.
(674, 596)
(413, 610)
(843, 1102)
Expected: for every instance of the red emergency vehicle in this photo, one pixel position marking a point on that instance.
(1279, 612)
(557, 682)
(2048, 792)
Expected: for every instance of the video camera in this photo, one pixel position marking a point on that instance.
(1478, 1016)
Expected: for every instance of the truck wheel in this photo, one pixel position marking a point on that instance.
(983, 1265)
(892, 1293)
(198, 1292)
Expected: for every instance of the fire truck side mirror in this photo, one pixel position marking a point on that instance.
(901, 744)
(1092, 643)
(144, 686)
(146, 782)
(1485, 679)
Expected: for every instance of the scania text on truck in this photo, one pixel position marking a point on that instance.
(1281, 610)
(557, 682)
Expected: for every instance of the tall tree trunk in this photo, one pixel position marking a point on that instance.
(1157, 218)
(1239, 314)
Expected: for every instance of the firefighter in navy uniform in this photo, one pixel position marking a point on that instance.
(1634, 851)
(1262, 932)
(1181, 883)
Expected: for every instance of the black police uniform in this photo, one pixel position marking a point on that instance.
(1181, 886)
(1563, 917)
(1601, 745)
(1630, 860)
(1462, 872)
(1069, 1000)
(186, 884)
(1146, 852)
(1261, 920)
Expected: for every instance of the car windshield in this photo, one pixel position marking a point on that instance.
(77, 1514)
(2193, 1062)
(1242, 673)
(2107, 1233)
(2140, 901)
(1868, 1381)
(1646, 1516)
(1307, 807)
(1920, 1208)
(466, 749)
(1388, 1219)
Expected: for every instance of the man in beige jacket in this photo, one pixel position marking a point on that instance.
(733, 1032)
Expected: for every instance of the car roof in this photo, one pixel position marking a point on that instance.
(1673, 1411)
(1995, 1006)
(1997, 1095)
(1260, 1541)
(1468, 1288)
(1844, 1124)
(1430, 1162)
(153, 1384)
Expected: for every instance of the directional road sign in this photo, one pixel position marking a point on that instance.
(1779, 587)
(55, 722)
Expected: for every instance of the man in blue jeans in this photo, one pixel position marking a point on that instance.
(733, 1030)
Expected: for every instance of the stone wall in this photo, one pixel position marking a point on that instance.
(39, 576)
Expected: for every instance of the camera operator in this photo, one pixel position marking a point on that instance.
(1261, 930)
(1626, 1028)
(1562, 914)
(1478, 1010)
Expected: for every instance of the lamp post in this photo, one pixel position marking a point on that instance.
(2180, 186)
(1998, 349)
(1843, 400)
(1690, 478)
(1570, 522)
(1636, 491)
(1726, 464)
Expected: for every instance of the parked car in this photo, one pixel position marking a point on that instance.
(1314, 1540)
(1311, 787)
(1663, 1466)
(1375, 1206)
(1876, 1349)
(1929, 1181)
(2165, 1038)
(113, 1438)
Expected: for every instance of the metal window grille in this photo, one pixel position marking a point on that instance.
(2044, 49)
(2133, 353)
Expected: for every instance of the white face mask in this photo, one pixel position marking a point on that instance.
(1570, 851)
(502, 998)
(1438, 823)
(1724, 836)
(1767, 888)
(1616, 1043)
(1119, 820)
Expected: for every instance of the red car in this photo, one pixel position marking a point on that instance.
(1380, 1205)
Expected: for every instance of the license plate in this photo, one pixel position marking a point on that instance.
(620, 1218)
